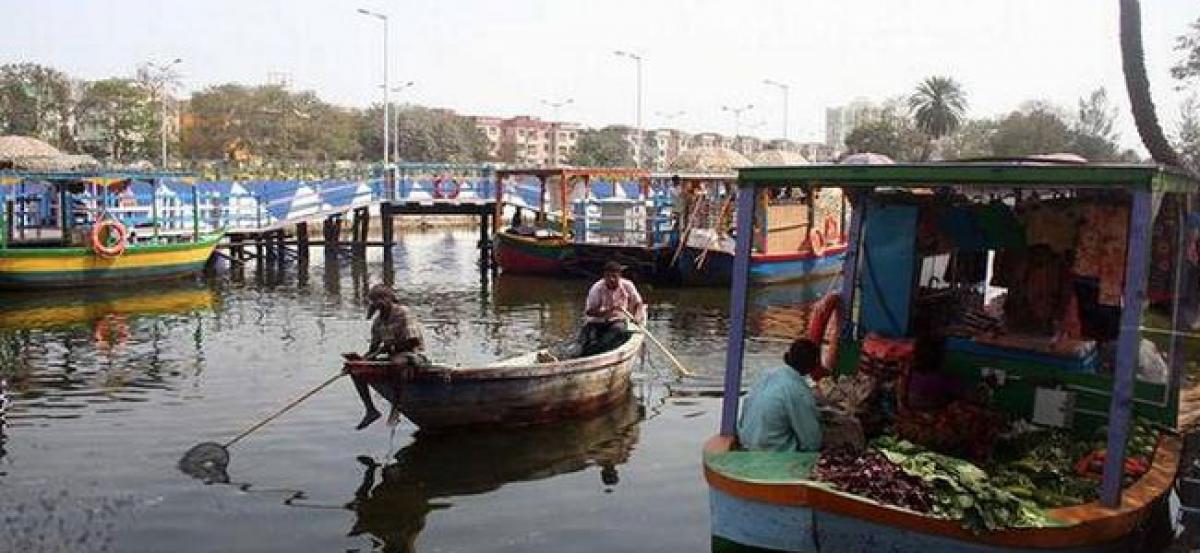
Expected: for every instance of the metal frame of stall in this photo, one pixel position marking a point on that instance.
(1140, 181)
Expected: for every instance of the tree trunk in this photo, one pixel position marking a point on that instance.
(1138, 86)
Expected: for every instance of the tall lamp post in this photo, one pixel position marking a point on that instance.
(737, 117)
(386, 121)
(396, 142)
(783, 88)
(163, 75)
(637, 157)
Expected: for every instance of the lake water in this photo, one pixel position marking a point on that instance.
(105, 392)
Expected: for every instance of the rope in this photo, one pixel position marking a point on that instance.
(285, 409)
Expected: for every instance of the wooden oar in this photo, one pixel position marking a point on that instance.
(671, 356)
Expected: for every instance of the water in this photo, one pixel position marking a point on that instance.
(106, 392)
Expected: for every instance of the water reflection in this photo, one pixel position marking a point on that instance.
(435, 468)
(73, 347)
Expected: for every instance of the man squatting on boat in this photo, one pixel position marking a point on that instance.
(395, 335)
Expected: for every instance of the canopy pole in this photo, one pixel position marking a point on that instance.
(747, 202)
(858, 206)
(1120, 409)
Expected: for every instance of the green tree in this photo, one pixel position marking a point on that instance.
(425, 135)
(605, 147)
(938, 106)
(891, 133)
(1188, 68)
(36, 101)
(1036, 129)
(1092, 134)
(1189, 133)
(117, 121)
(972, 140)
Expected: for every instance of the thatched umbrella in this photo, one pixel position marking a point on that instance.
(31, 154)
(866, 158)
(779, 158)
(707, 159)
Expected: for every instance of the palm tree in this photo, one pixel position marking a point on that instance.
(938, 105)
(1138, 86)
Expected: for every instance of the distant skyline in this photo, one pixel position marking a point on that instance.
(504, 58)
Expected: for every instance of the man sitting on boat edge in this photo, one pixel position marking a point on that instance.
(608, 301)
(780, 414)
(395, 335)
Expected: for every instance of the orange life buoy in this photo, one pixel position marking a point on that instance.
(115, 234)
(441, 192)
(824, 329)
(816, 241)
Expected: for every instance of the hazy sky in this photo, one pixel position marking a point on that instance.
(504, 57)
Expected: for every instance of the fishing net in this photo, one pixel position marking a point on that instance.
(206, 461)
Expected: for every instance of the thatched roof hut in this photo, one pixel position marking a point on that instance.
(779, 158)
(31, 154)
(707, 159)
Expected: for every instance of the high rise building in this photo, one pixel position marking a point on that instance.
(839, 121)
(527, 140)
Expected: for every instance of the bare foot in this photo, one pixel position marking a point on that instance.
(368, 418)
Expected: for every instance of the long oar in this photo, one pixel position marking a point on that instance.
(682, 369)
(208, 460)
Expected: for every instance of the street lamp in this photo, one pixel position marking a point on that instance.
(164, 78)
(737, 116)
(783, 88)
(637, 157)
(558, 105)
(386, 121)
(396, 142)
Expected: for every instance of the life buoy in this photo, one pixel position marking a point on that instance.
(108, 238)
(824, 329)
(816, 241)
(441, 192)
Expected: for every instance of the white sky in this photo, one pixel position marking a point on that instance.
(504, 57)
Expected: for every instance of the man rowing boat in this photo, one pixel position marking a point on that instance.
(608, 302)
(395, 335)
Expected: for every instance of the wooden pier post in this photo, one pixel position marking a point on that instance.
(302, 241)
(386, 225)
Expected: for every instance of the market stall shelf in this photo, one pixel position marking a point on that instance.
(1020, 375)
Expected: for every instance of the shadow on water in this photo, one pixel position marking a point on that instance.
(393, 500)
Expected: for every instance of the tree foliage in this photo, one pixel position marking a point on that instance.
(605, 147)
(890, 133)
(1092, 135)
(425, 134)
(1037, 129)
(938, 106)
(1189, 44)
(972, 140)
(36, 101)
(117, 121)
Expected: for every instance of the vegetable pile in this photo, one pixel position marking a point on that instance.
(961, 490)
(873, 476)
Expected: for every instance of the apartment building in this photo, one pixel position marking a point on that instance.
(526, 140)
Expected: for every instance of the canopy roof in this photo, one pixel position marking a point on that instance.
(31, 154)
(778, 157)
(1022, 174)
(709, 159)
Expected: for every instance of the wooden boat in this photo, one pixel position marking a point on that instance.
(795, 239)
(68, 229)
(566, 237)
(766, 501)
(39, 268)
(527, 389)
(533, 255)
(434, 468)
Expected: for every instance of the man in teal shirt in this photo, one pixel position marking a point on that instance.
(780, 414)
